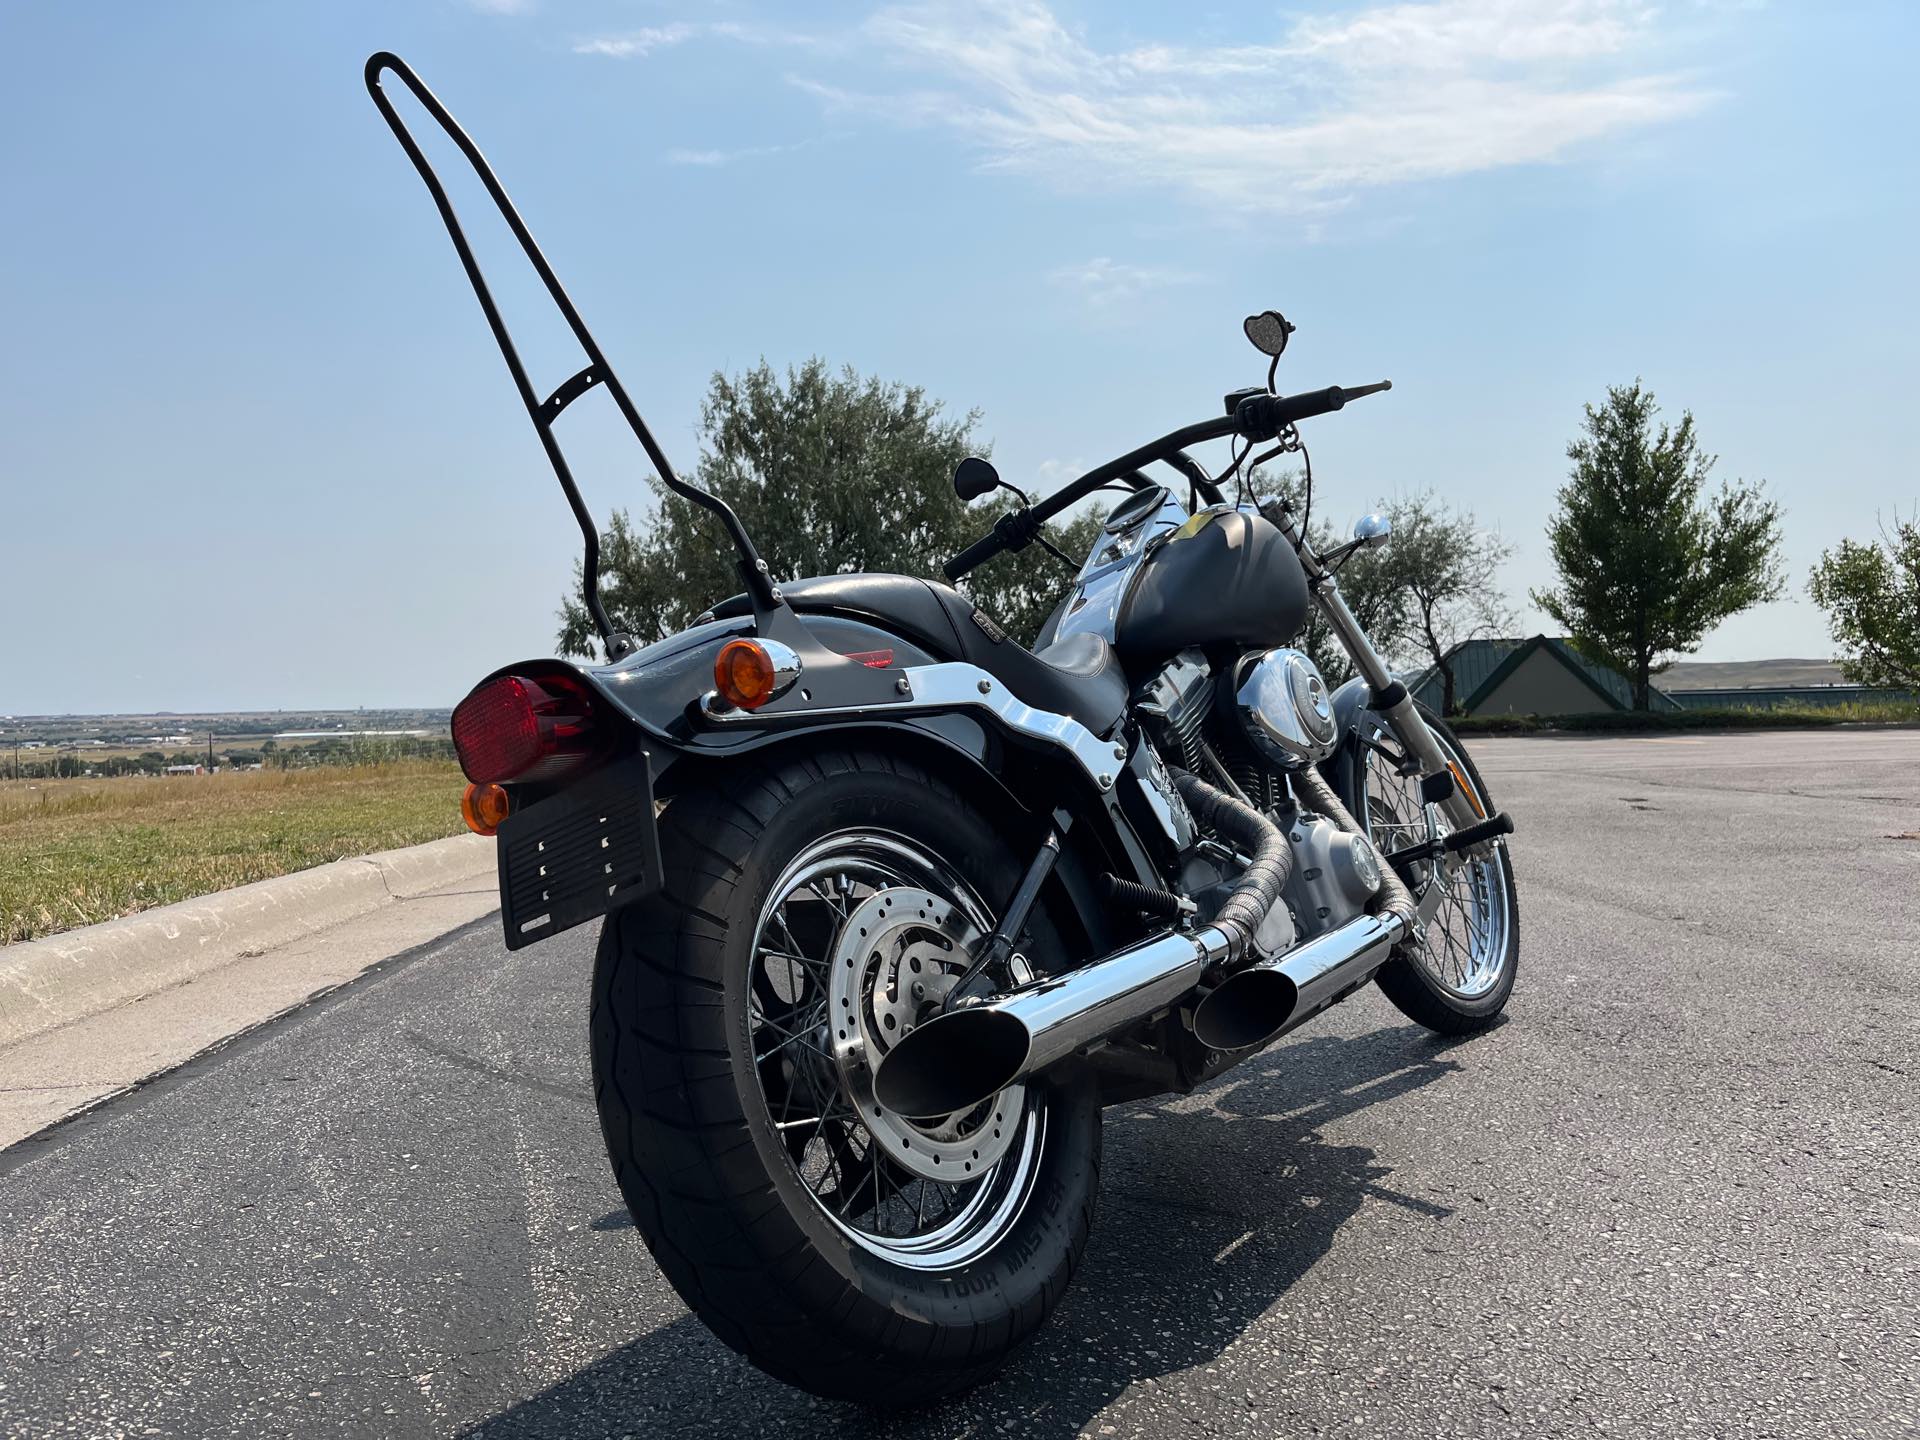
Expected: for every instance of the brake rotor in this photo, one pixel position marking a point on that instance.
(897, 956)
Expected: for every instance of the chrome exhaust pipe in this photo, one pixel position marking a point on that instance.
(1256, 1006)
(958, 1059)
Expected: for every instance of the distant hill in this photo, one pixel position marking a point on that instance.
(1748, 674)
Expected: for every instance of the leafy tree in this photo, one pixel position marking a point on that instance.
(1448, 568)
(829, 472)
(1871, 594)
(1648, 564)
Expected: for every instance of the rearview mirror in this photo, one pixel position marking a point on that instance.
(974, 477)
(1268, 331)
(1372, 531)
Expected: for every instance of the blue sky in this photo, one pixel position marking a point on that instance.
(256, 447)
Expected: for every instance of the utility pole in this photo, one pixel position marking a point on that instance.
(209, 751)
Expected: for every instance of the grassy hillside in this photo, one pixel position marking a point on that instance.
(74, 852)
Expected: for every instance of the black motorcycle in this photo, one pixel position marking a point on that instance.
(894, 905)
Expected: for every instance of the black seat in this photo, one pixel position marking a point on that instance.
(1079, 676)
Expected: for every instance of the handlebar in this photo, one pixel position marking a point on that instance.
(1262, 417)
(1256, 418)
(980, 551)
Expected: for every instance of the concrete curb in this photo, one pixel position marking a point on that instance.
(48, 983)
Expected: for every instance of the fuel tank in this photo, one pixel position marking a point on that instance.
(1224, 578)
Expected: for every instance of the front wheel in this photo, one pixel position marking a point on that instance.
(1457, 977)
(815, 911)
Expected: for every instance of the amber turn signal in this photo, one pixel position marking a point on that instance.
(484, 808)
(743, 674)
(1460, 779)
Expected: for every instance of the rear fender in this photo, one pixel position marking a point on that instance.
(658, 690)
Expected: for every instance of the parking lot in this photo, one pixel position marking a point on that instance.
(1677, 1193)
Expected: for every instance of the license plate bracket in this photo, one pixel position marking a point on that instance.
(577, 855)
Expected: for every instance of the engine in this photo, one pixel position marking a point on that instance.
(1269, 714)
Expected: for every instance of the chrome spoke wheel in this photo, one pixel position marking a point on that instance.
(1468, 930)
(859, 941)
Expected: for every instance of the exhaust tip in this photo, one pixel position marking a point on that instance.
(1245, 1010)
(951, 1063)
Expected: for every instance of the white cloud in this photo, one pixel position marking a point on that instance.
(636, 44)
(1379, 96)
(714, 158)
(1052, 474)
(1102, 281)
(1300, 122)
(633, 44)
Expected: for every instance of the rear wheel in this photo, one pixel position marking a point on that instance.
(814, 912)
(1457, 977)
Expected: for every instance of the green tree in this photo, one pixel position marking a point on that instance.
(1448, 568)
(829, 472)
(1871, 594)
(1648, 563)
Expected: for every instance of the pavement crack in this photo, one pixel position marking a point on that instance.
(495, 1072)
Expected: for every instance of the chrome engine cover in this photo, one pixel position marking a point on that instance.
(1335, 875)
(1285, 709)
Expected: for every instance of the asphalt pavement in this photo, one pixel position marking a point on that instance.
(1678, 1193)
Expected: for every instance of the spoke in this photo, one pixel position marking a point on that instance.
(759, 1016)
(800, 951)
(803, 1035)
(768, 952)
(793, 1025)
(836, 1172)
(867, 1155)
(832, 1112)
(827, 897)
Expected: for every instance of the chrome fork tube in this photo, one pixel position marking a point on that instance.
(1401, 715)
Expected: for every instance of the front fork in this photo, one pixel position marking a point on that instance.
(1389, 700)
(1393, 704)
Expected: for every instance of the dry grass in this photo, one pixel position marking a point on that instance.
(73, 852)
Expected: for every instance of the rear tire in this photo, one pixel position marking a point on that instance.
(725, 1192)
(1459, 979)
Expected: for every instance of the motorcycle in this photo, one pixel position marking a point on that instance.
(892, 905)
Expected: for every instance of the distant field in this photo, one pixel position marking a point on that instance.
(1754, 674)
(74, 852)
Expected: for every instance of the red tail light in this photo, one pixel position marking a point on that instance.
(517, 728)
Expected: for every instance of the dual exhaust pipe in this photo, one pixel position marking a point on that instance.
(959, 1059)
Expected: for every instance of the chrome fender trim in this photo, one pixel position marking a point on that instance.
(953, 685)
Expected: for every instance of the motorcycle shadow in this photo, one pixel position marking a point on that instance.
(1211, 1208)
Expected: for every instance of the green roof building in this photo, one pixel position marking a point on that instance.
(1541, 676)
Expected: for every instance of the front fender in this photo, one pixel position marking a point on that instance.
(1342, 769)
